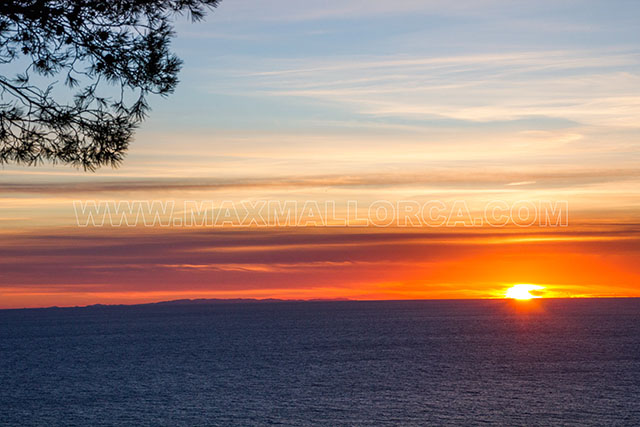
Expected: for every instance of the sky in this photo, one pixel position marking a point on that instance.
(336, 103)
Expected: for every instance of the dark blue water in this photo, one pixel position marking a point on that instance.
(570, 362)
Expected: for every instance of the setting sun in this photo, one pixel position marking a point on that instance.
(523, 292)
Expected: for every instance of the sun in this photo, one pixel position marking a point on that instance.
(522, 292)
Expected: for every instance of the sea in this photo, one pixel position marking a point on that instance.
(324, 363)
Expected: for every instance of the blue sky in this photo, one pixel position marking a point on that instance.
(466, 94)
(250, 67)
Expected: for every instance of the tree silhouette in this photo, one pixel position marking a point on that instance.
(110, 54)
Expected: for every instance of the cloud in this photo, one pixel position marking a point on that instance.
(294, 10)
(443, 177)
(597, 88)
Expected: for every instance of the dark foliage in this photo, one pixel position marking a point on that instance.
(109, 54)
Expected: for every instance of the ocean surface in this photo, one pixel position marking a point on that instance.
(545, 362)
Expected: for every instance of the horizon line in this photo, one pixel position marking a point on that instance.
(204, 301)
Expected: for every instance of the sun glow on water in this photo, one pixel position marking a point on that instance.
(523, 292)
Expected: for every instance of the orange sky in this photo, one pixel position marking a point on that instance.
(68, 267)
